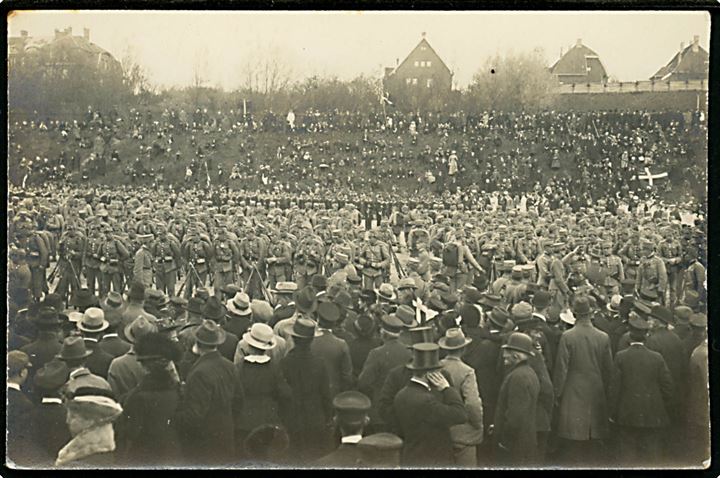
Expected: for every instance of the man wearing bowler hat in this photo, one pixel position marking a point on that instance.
(426, 409)
(311, 405)
(514, 427)
(212, 394)
(50, 432)
(465, 436)
(332, 350)
(380, 361)
(351, 418)
(642, 395)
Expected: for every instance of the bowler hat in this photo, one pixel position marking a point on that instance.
(499, 317)
(470, 314)
(260, 336)
(73, 348)
(209, 333)
(195, 305)
(627, 286)
(93, 321)
(304, 328)
(364, 325)
(84, 298)
(139, 327)
(343, 299)
(454, 339)
(136, 292)
(214, 310)
(662, 313)
(328, 312)
(305, 300)
(541, 299)
(46, 317)
(426, 356)
(520, 342)
(52, 375)
(581, 308)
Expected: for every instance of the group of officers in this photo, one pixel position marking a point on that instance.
(501, 338)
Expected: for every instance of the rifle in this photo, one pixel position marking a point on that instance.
(51, 277)
(398, 266)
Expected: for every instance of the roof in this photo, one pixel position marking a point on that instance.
(686, 61)
(425, 43)
(574, 62)
(19, 44)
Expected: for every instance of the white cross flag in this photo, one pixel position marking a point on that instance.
(649, 177)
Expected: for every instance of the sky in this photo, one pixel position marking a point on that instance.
(171, 45)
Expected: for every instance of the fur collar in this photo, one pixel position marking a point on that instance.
(93, 441)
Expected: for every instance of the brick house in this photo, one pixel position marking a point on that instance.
(421, 80)
(691, 62)
(580, 65)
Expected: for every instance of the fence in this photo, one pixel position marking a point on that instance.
(634, 87)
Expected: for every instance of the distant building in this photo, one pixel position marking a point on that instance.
(689, 63)
(420, 78)
(580, 65)
(62, 55)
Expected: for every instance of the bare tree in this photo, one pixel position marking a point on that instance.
(134, 75)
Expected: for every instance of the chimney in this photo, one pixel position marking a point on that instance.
(68, 31)
(86, 34)
(696, 43)
(397, 62)
(561, 52)
(423, 34)
(23, 33)
(57, 33)
(579, 42)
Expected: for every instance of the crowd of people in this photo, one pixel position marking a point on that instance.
(585, 155)
(177, 326)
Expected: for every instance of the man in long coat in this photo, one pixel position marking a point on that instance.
(583, 369)
(212, 393)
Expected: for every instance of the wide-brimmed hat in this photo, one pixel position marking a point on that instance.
(407, 315)
(195, 305)
(260, 336)
(318, 282)
(52, 375)
(454, 339)
(683, 313)
(84, 298)
(499, 317)
(426, 356)
(520, 342)
(284, 288)
(614, 304)
(541, 299)
(209, 333)
(156, 298)
(698, 320)
(662, 313)
(386, 292)
(407, 283)
(304, 328)
(139, 327)
(73, 348)
(390, 323)
(214, 309)
(93, 321)
(239, 305)
(490, 301)
(113, 301)
(46, 317)
(568, 317)
(305, 300)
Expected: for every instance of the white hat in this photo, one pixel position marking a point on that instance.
(240, 304)
(260, 336)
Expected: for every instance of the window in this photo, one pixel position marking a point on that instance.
(414, 81)
(423, 48)
(417, 63)
(429, 82)
(422, 64)
(427, 63)
(408, 81)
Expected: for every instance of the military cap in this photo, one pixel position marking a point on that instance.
(698, 320)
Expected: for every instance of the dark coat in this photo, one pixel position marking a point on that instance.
(371, 380)
(669, 345)
(486, 359)
(335, 353)
(310, 409)
(99, 362)
(19, 437)
(146, 430)
(114, 345)
(205, 414)
(49, 429)
(583, 370)
(360, 348)
(237, 325)
(346, 455)
(642, 388)
(227, 349)
(266, 393)
(515, 414)
(425, 418)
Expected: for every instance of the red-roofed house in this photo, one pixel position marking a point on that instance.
(690, 63)
(580, 65)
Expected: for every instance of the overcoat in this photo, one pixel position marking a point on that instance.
(583, 370)
(334, 352)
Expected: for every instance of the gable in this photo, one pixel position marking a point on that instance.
(423, 52)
